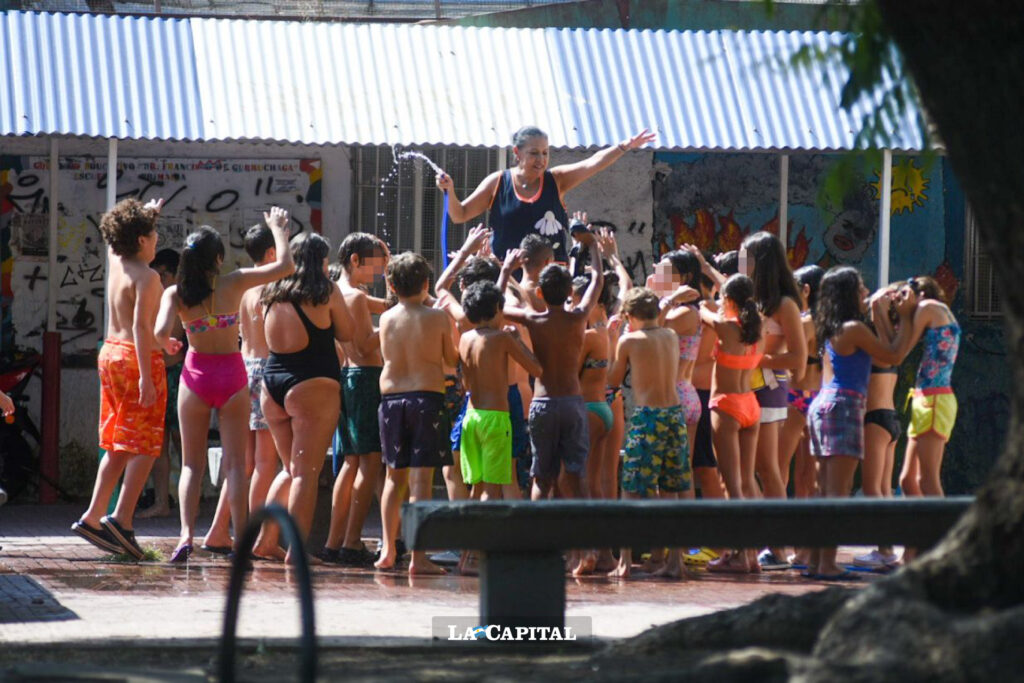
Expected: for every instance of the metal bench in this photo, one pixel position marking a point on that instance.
(522, 572)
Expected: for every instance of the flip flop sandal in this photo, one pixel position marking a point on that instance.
(216, 549)
(181, 554)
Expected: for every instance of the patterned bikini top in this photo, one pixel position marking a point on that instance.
(941, 345)
(211, 321)
(689, 344)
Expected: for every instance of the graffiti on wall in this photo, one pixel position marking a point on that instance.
(227, 194)
(619, 198)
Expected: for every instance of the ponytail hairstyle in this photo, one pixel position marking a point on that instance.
(810, 276)
(739, 289)
(687, 266)
(309, 283)
(772, 276)
(926, 287)
(200, 261)
(838, 303)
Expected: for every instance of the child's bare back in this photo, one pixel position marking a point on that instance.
(653, 355)
(416, 342)
(487, 355)
(251, 325)
(132, 287)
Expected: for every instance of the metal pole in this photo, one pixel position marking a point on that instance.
(417, 207)
(49, 456)
(111, 173)
(784, 200)
(885, 209)
(52, 282)
(111, 200)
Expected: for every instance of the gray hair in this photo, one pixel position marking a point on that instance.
(520, 137)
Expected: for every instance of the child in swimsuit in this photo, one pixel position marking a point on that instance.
(357, 465)
(933, 404)
(802, 390)
(261, 459)
(735, 414)
(166, 265)
(213, 376)
(467, 268)
(656, 462)
(881, 425)
(133, 389)
(677, 269)
(836, 417)
(559, 435)
(416, 344)
(486, 438)
(304, 317)
(785, 350)
(595, 359)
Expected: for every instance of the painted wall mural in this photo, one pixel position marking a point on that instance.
(227, 194)
(715, 200)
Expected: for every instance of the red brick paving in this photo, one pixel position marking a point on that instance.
(55, 587)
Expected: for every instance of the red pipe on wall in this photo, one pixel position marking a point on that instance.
(49, 457)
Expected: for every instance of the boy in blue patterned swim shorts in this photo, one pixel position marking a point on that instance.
(656, 462)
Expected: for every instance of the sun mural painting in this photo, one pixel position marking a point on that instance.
(908, 186)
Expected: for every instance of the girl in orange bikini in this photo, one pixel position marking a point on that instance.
(735, 413)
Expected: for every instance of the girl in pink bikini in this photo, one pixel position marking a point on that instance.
(213, 376)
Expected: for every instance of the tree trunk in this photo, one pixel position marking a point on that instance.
(957, 613)
(968, 63)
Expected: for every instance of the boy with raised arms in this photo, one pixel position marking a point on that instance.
(559, 433)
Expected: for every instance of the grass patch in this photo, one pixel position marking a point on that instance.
(150, 554)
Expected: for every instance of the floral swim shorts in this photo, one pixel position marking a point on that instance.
(657, 452)
(125, 425)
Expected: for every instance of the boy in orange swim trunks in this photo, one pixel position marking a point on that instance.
(133, 393)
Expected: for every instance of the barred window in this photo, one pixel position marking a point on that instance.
(983, 298)
(401, 204)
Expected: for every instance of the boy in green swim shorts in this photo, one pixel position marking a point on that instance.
(656, 462)
(486, 442)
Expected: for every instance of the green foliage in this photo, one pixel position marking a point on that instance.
(877, 81)
(149, 554)
(877, 84)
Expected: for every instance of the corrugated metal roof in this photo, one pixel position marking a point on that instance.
(80, 74)
(321, 83)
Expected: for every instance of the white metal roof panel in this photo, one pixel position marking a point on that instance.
(324, 83)
(97, 75)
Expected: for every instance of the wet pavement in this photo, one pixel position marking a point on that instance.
(55, 588)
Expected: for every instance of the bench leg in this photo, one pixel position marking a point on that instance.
(522, 589)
